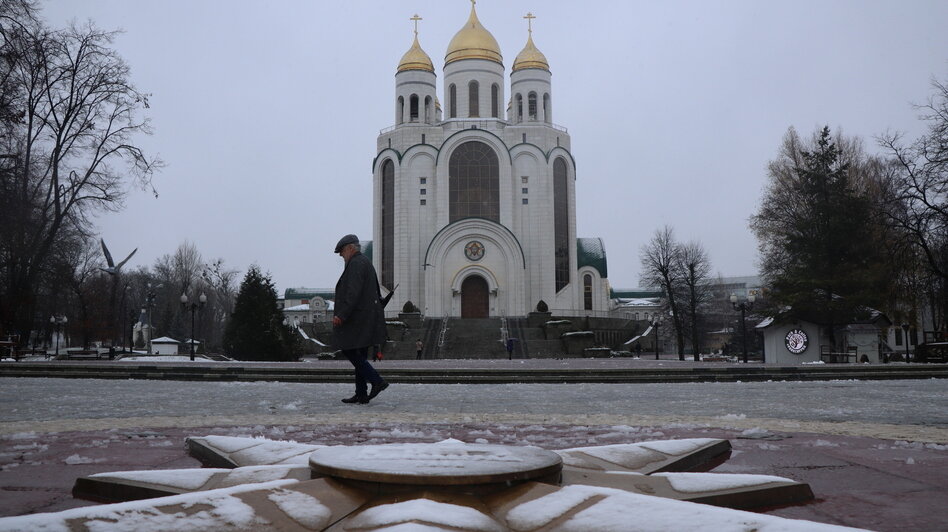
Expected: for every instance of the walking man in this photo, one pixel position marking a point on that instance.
(358, 320)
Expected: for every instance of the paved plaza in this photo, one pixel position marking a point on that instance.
(874, 452)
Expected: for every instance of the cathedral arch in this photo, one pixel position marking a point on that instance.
(473, 96)
(532, 105)
(413, 108)
(474, 182)
(387, 245)
(494, 101)
(587, 292)
(453, 101)
(561, 248)
(429, 110)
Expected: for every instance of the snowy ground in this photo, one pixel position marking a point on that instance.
(909, 409)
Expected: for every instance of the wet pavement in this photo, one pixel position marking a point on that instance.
(874, 452)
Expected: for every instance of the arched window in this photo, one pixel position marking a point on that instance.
(429, 111)
(473, 109)
(413, 108)
(400, 110)
(494, 101)
(532, 105)
(547, 116)
(474, 182)
(560, 224)
(520, 108)
(636, 316)
(646, 316)
(452, 101)
(387, 249)
(588, 292)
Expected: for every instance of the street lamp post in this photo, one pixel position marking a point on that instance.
(743, 306)
(150, 303)
(193, 306)
(58, 322)
(656, 324)
(905, 328)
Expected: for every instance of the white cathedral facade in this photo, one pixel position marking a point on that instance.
(475, 203)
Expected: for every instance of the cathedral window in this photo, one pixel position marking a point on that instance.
(524, 179)
(532, 105)
(560, 224)
(494, 100)
(413, 108)
(453, 101)
(473, 109)
(547, 117)
(474, 182)
(525, 201)
(400, 110)
(387, 249)
(423, 180)
(424, 191)
(587, 292)
(424, 201)
(429, 113)
(520, 109)
(524, 190)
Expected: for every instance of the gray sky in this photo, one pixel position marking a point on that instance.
(267, 113)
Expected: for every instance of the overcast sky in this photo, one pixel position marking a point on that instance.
(267, 113)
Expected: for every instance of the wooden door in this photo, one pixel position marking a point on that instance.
(475, 300)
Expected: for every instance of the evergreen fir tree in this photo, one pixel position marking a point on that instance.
(823, 256)
(255, 330)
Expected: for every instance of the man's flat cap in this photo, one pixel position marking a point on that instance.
(345, 241)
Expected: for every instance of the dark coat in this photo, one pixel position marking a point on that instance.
(357, 305)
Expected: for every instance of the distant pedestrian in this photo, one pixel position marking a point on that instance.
(358, 319)
(418, 348)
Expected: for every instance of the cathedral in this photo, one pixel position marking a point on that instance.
(474, 201)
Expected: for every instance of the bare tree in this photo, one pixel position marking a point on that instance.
(72, 146)
(661, 268)
(917, 203)
(695, 267)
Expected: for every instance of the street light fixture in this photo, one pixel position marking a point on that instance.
(743, 306)
(905, 327)
(202, 300)
(656, 324)
(58, 322)
(150, 303)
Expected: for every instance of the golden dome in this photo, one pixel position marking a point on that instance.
(473, 41)
(530, 57)
(415, 59)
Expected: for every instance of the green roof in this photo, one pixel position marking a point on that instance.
(308, 293)
(591, 252)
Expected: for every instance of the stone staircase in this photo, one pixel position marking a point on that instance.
(473, 338)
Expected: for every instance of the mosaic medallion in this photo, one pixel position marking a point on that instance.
(474, 250)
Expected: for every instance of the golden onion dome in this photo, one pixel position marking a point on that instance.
(415, 59)
(530, 57)
(473, 41)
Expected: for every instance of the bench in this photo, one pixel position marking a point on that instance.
(833, 357)
(82, 354)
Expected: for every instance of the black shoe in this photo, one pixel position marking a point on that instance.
(376, 389)
(361, 399)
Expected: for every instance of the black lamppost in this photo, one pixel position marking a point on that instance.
(150, 303)
(656, 324)
(905, 327)
(743, 306)
(58, 322)
(193, 306)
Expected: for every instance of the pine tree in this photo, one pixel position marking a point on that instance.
(255, 330)
(822, 247)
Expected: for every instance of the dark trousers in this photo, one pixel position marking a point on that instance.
(364, 372)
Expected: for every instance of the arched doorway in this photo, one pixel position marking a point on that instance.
(475, 300)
